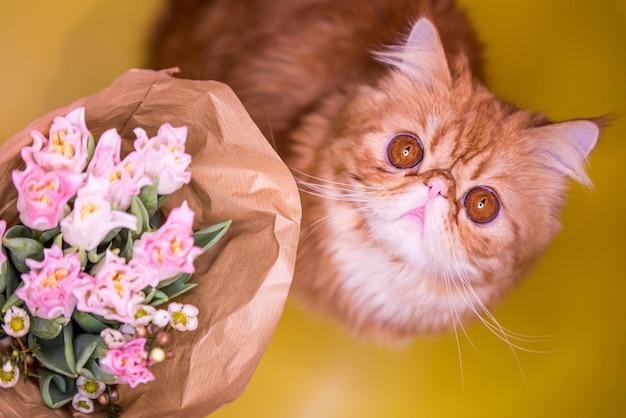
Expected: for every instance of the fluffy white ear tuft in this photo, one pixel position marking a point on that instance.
(568, 145)
(421, 57)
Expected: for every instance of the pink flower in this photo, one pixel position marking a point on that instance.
(67, 147)
(42, 195)
(92, 218)
(170, 250)
(126, 176)
(114, 290)
(128, 363)
(165, 157)
(48, 287)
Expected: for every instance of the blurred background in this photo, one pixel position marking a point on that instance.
(566, 58)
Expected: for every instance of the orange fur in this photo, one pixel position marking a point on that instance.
(389, 252)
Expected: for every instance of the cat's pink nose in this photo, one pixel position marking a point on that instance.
(438, 187)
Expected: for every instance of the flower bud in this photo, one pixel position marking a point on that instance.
(114, 395)
(103, 399)
(141, 331)
(164, 339)
(157, 354)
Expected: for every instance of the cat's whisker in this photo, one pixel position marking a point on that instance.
(326, 181)
(319, 222)
(333, 193)
(456, 322)
(470, 297)
(325, 194)
(272, 139)
(516, 336)
(495, 327)
(449, 277)
(330, 190)
(510, 333)
(490, 322)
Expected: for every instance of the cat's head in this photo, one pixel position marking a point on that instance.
(457, 184)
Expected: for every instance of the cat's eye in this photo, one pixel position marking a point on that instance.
(482, 205)
(405, 151)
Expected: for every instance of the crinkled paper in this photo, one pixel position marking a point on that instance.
(242, 282)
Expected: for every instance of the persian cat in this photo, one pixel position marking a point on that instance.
(425, 197)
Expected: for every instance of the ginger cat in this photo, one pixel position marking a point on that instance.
(425, 197)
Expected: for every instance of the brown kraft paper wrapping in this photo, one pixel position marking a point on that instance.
(242, 282)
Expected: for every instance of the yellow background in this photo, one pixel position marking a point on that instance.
(566, 58)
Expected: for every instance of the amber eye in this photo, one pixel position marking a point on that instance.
(482, 205)
(405, 151)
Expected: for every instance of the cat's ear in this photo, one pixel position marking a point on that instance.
(421, 56)
(566, 145)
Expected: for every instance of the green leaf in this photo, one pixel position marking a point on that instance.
(18, 231)
(207, 237)
(56, 390)
(4, 274)
(22, 248)
(45, 328)
(127, 249)
(57, 354)
(94, 257)
(85, 346)
(86, 371)
(177, 288)
(13, 281)
(58, 240)
(158, 298)
(48, 235)
(149, 197)
(138, 209)
(88, 322)
(13, 300)
(149, 293)
(91, 147)
(93, 370)
(170, 280)
(162, 199)
(112, 234)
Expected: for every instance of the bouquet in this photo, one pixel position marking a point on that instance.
(87, 268)
(105, 255)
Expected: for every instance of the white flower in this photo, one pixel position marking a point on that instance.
(89, 388)
(143, 314)
(9, 375)
(93, 217)
(82, 404)
(112, 338)
(16, 322)
(184, 317)
(161, 318)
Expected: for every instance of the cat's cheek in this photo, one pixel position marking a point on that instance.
(491, 247)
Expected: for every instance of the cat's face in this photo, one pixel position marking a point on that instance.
(461, 188)
(453, 184)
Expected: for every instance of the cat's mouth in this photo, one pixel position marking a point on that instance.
(416, 215)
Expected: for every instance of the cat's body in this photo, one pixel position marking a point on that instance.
(425, 197)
